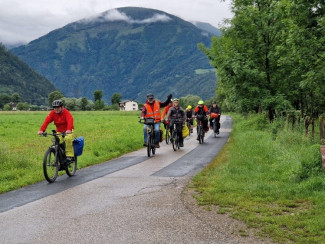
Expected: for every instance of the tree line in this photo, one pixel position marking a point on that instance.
(271, 57)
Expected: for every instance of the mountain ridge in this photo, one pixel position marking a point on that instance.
(129, 50)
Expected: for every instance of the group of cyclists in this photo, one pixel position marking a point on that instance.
(174, 114)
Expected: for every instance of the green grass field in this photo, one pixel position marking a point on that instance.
(107, 135)
(270, 178)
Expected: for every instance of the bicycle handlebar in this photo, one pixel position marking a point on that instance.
(54, 133)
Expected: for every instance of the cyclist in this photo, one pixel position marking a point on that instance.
(63, 121)
(151, 109)
(164, 113)
(201, 112)
(177, 115)
(189, 116)
(217, 110)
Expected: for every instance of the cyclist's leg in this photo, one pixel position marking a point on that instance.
(210, 120)
(157, 133)
(68, 145)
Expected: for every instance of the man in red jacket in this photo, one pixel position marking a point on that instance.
(63, 121)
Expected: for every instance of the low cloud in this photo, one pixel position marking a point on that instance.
(115, 15)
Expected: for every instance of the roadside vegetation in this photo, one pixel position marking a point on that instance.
(269, 176)
(107, 134)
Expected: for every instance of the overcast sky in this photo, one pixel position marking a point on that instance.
(22, 21)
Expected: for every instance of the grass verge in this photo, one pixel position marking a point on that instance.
(270, 178)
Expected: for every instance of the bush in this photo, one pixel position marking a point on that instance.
(311, 162)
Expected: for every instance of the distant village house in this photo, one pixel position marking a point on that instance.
(128, 105)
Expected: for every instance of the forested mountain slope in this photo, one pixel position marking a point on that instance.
(130, 50)
(17, 77)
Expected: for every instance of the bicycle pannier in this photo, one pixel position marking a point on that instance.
(78, 145)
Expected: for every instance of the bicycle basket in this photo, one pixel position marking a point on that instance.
(149, 121)
(214, 115)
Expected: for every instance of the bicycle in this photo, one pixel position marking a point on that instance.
(214, 117)
(174, 138)
(54, 157)
(151, 149)
(167, 135)
(200, 130)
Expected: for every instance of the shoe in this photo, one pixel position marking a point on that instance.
(145, 144)
(197, 138)
(217, 132)
(157, 146)
(191, 130)
(67, 161)
(181, 144)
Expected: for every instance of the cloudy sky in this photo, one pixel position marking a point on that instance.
(22, 21)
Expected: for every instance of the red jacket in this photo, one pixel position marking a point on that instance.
(63, 121)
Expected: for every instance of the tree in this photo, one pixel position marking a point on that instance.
(15, 98)
(4, 99)
(98, 94)
(22, 106)
(84, 103)
(116, 98)
(56, 95)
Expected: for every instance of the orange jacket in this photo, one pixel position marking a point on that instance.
(153, 113)
(165, 111)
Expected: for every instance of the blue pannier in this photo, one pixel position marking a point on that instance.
(78, 145)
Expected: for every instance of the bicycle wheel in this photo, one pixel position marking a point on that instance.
(72, 167)
(173, 139)
(215, 129)
(50, 165)
(153, 147)
(200, 134)
(149, 145)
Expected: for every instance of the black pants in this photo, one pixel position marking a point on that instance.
(204, 121)
(179, 128)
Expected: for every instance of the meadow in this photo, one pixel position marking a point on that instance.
(107, 135)
(270, 177)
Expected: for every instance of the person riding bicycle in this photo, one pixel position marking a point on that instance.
(164, 113)
(151, 109)
(214, 111)
(63, 121)
(189, 116)
(201, 112)
(177, 115)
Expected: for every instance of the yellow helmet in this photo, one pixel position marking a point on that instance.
(189, 107)
(200, 102)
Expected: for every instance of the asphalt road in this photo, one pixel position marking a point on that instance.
(132, 199)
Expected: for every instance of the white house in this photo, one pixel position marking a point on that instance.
(128, 105)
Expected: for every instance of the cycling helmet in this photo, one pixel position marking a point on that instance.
(200, 102)
(189, 107)
(150, 95)
(214, 102)
(57, 103)
(175, 99)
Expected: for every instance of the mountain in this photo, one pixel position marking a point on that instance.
(17, 77)
(131, 51)
(210, 29)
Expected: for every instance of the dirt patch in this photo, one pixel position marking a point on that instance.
(236, 230)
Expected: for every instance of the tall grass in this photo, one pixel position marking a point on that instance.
(107, 135)
(271, 178)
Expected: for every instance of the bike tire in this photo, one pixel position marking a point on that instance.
(173, 139)
(153, 146)
(50, 165)
(215, 129)
(72, 167)
(149, 146)
(200, 134)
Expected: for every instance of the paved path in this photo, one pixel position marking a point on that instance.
(132, 199)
